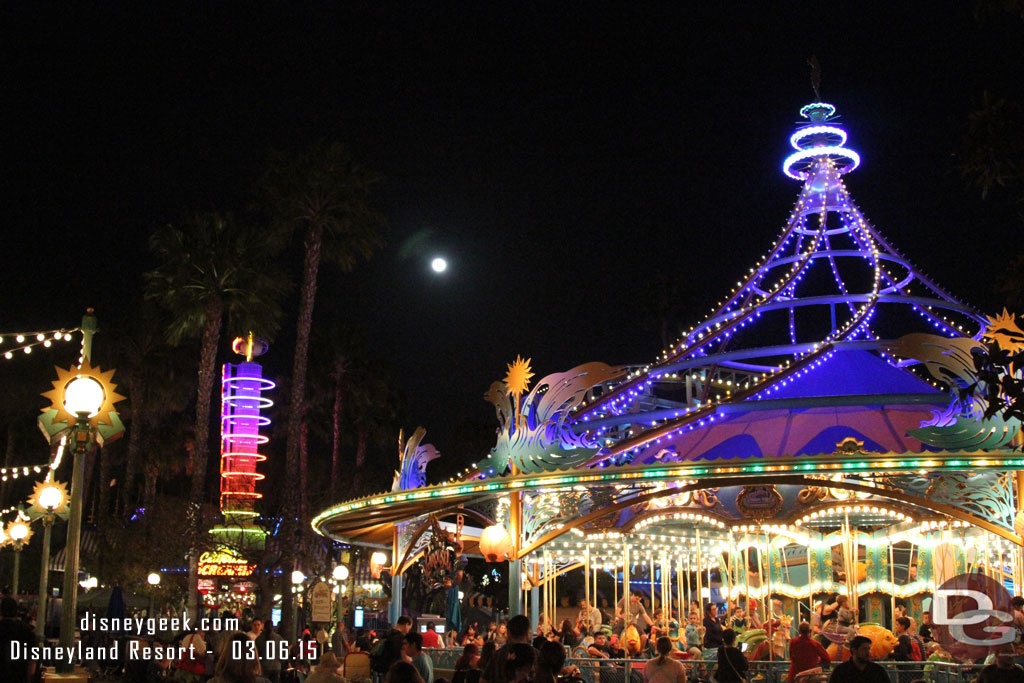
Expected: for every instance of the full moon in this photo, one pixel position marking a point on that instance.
(439, 265)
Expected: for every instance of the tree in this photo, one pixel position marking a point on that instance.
(323, 195)
(211, 271)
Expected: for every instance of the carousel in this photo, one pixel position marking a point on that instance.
(826, 430)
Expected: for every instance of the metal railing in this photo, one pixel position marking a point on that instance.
(631, 670)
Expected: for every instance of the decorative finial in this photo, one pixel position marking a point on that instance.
(812, 61)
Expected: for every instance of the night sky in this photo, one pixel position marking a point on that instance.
(564, 160)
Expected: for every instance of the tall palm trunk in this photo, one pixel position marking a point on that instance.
(303, 471)
(304, 325)
(357, 480)
(201, 451)
(293, 446)
(339, 398)
(131, 467)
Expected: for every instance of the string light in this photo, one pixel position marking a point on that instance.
(26, 341)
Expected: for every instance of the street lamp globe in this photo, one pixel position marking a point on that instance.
(378, 558)
(18, 531)
(340, 573)
(153, 579)
(298, 577)
(83, 394)
(51, 497)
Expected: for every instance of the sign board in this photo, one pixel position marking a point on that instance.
(320, 602)
(224, 562)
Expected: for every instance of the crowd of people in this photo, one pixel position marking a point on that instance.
(655, 648)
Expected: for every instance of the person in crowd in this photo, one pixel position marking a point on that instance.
(469, 658)
(194, 661)
(859, 668)
(755, 619)
(14, 630)
(519, 664)
(659, 625)
(549, 662)
(694, 634)
(242, 669)
(1003, 669)
(732, 665)
(925, 629)
(908, 646)
(326, 671)
(470, 636)
(738, 620)
(599, 649)
(268, 644)
(663, 668)
(1017, 604)
(588, 616)
(845, 616)
(486, 655)
(413, 650)
(712, 627)
(339, 641)
(630, 610)
(430, 638)
(394, 643)
(502, 637)
(492, 631)
(518, 633)
(255, 628)
(805, 652)
(403, 672)
(567, 634)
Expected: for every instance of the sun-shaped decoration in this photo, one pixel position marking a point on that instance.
(1003, 330)
(16, 528)
(105, 415)
(37, 509)
(518, 378)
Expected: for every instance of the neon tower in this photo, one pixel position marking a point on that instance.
(829, 283)
(242, 399)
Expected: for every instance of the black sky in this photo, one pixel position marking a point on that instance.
(560, 155)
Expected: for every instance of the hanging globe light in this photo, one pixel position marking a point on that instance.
(495, 543)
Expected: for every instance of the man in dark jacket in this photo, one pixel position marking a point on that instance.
(391, 651)
(859, 668)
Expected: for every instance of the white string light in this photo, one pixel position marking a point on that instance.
(26, 341)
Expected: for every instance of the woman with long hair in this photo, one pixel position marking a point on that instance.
(663, 668)
(486, 654)
(568, 634)
(732, 665)
(469, 657)
(403, 672)
(243, 669)
(549, 662)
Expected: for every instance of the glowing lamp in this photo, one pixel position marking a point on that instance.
(18, 530)
(495, 543)
(298, 577)
(153, 579)
(340, 573)
(83, 394)
(51, 497)
(379, 558)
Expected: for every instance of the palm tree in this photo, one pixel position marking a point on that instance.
(211, 271)
(322, 194)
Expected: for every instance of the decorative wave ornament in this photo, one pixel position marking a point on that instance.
(534, 433)
(413, 459)
(963, 424)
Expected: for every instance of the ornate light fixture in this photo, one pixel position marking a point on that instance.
(495, 543)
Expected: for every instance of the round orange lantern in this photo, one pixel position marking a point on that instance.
(495, 543)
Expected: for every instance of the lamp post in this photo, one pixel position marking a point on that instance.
(340, 574)
(297, 578)
(48, 501)
(82, 404)
(153, 580)
(18, 532)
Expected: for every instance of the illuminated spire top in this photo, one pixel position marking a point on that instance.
(817, 140)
